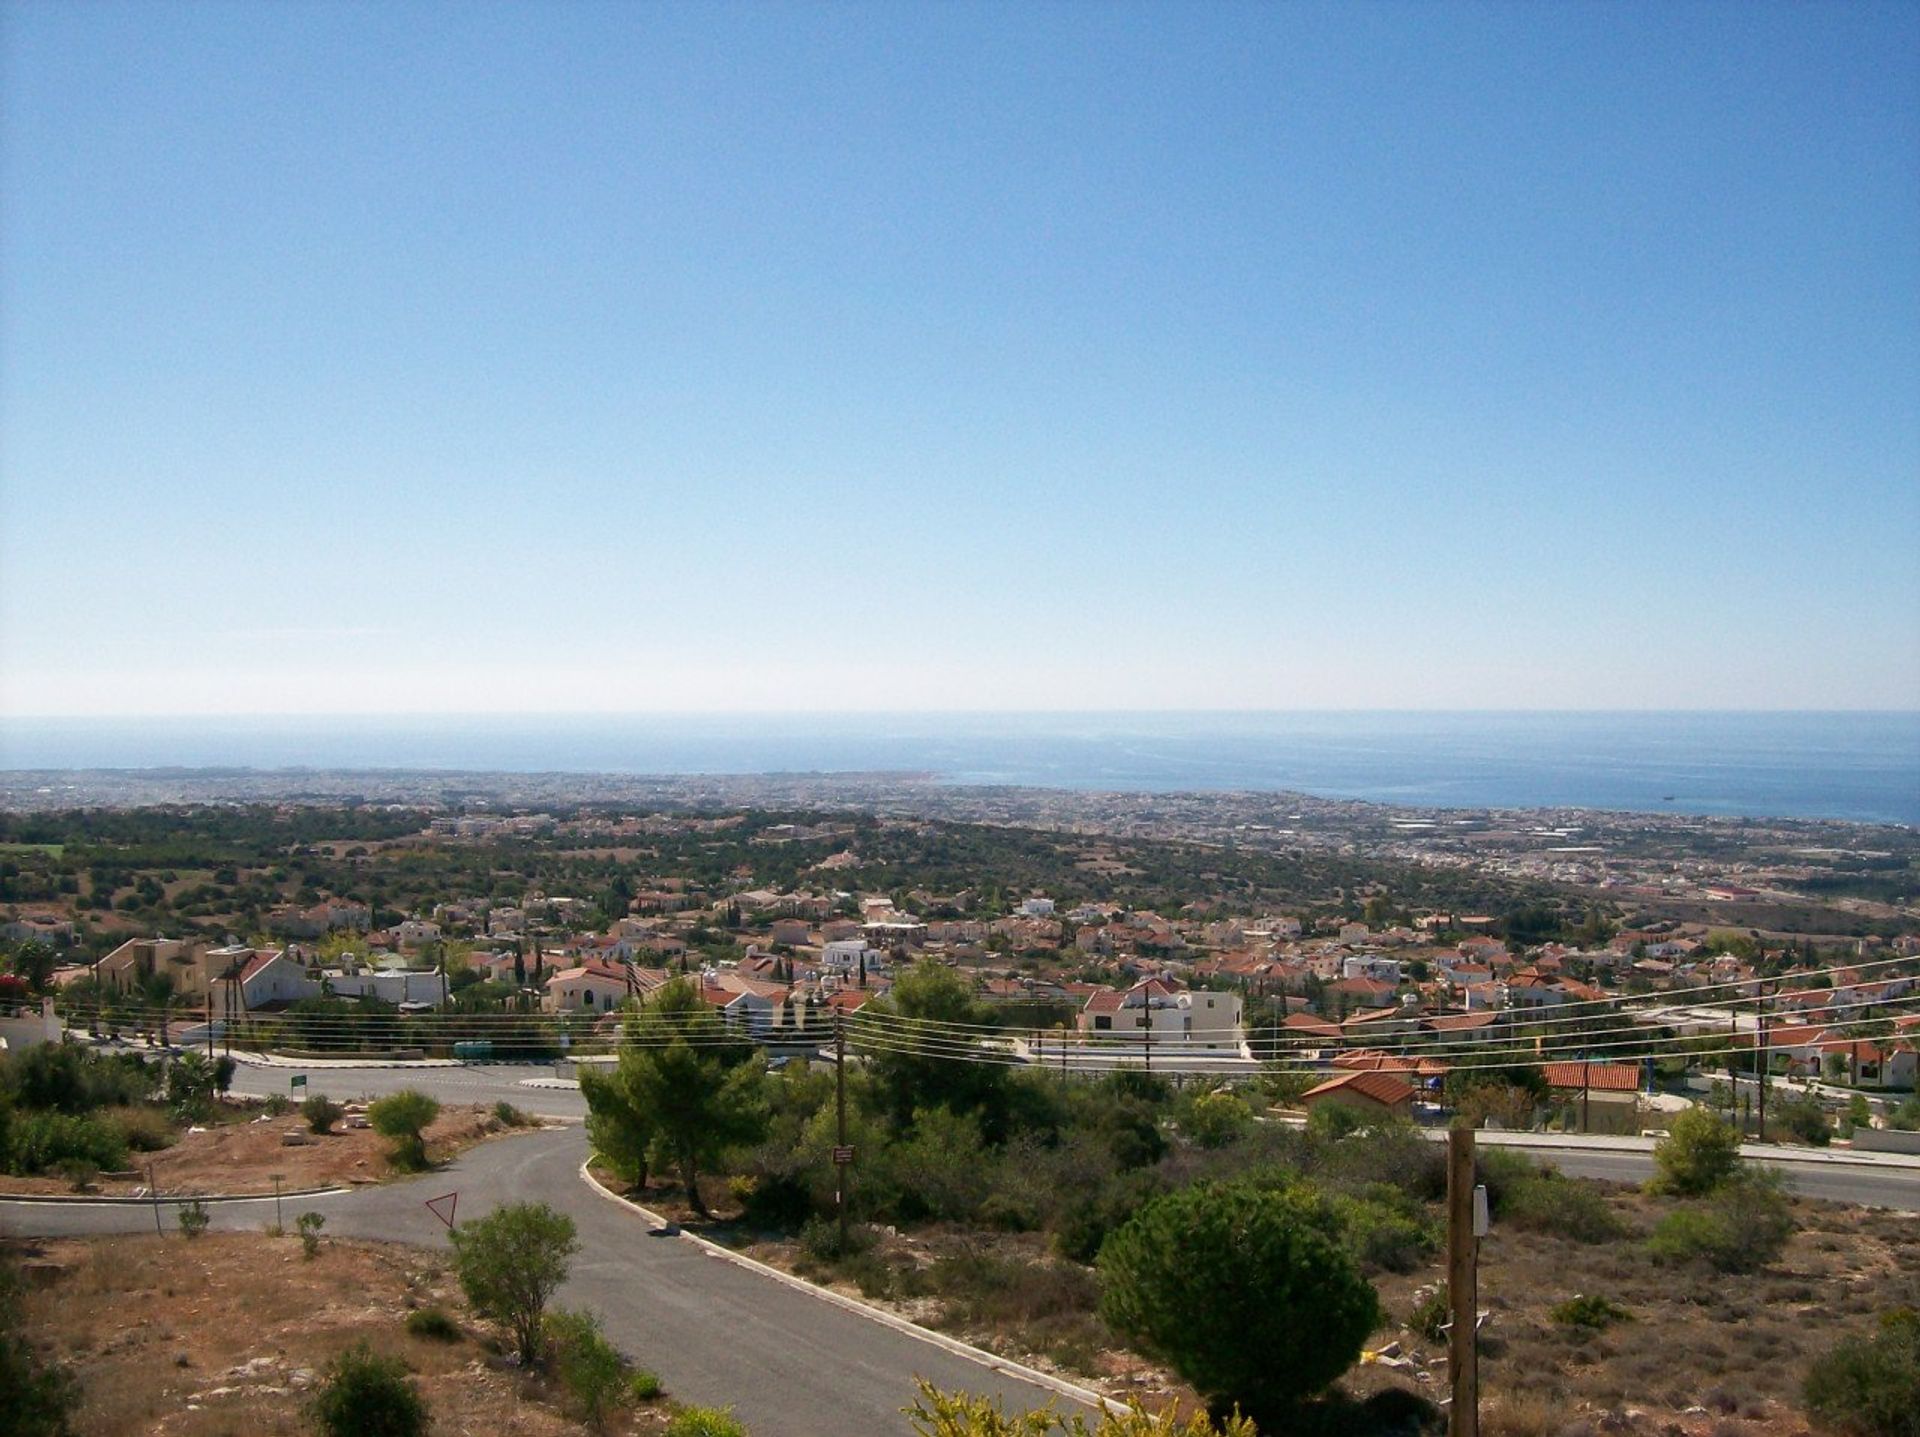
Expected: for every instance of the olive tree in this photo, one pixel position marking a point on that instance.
(510, 1263)
(402, 1118)
(1245, 1289)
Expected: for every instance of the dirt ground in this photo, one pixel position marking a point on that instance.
(242, 1153)
(227, 1335)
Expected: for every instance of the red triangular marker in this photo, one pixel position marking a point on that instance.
(452, 1200)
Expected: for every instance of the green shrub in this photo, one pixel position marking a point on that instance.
(402, 1119)
(1870, 1386)
(1385, 1230)
(1244, 1289)
(321, 1113)
(365, 1395)
(42, 1141)
(1331, 1122)
(820, 1239)
(144, 1130)
(193, 1218)
(1088, 1218)
(1741, 1227)
(1216, 1119)
(433, 1322)
(1802, 1116)
(644, 1385)
(1700, 1152)
(1591, 1311)
(706, 1422)
(1431, 1314)
(591, 1373)
(966, 1414)
(508, 1115)
(510, 1263)
(278, 1105)
(308, 1224)
(66, 1078)
(1544, 1201)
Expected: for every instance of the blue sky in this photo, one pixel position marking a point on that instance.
(415, 357)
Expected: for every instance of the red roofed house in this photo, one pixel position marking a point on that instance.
(1374, 1094)
(592, 987)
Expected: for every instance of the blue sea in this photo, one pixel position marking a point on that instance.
(1858, 766)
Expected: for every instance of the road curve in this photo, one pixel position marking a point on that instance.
(788, 1362)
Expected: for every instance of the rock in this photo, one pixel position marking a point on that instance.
(296, 1140)
(181, 1359)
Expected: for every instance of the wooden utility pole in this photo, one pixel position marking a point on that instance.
(840, 1153)
(209, 1022)
(1760, 1008)
(1463, 1295)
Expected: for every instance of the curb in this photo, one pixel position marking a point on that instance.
(1085, 1396)
(174, 1198)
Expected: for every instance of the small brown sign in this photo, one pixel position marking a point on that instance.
(843, 1155)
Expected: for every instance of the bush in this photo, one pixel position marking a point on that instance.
(964, 1414)
(510, 1263)
(368, 1396)
(1591, 1311)
(1431, 1314)
(321, 1113)
(1565, 1207)
(1803, 1117)
(705, 1422)
(1742, 1227)
(508, 1115)
(644, 1385)
(590, 1371)
(1244, 1289)
(142, 1129)
(1385, 1230)
(820, 1239)
(1216, 1119)
(1700, 1152)
(434, 1323)
(308, 1224)
(194, 1218)
(43, 1141)
(1870, 1386)
(277, 1106)
(402, 1118)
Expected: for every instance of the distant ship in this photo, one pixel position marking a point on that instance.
(1666, 798)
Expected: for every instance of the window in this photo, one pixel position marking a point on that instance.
(1103, 1021)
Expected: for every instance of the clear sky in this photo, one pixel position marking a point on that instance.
(412, 357)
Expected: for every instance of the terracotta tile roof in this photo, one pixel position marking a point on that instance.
(1600, 1077)
(1383, 1088)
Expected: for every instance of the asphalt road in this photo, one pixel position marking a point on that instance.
(789, 1363)
(1834, 1182)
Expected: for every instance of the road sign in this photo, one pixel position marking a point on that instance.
(299, 1080)
(452, 1200)
(843, 1155)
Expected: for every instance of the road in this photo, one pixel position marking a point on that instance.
(1834, 1182)
(789, 1363)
